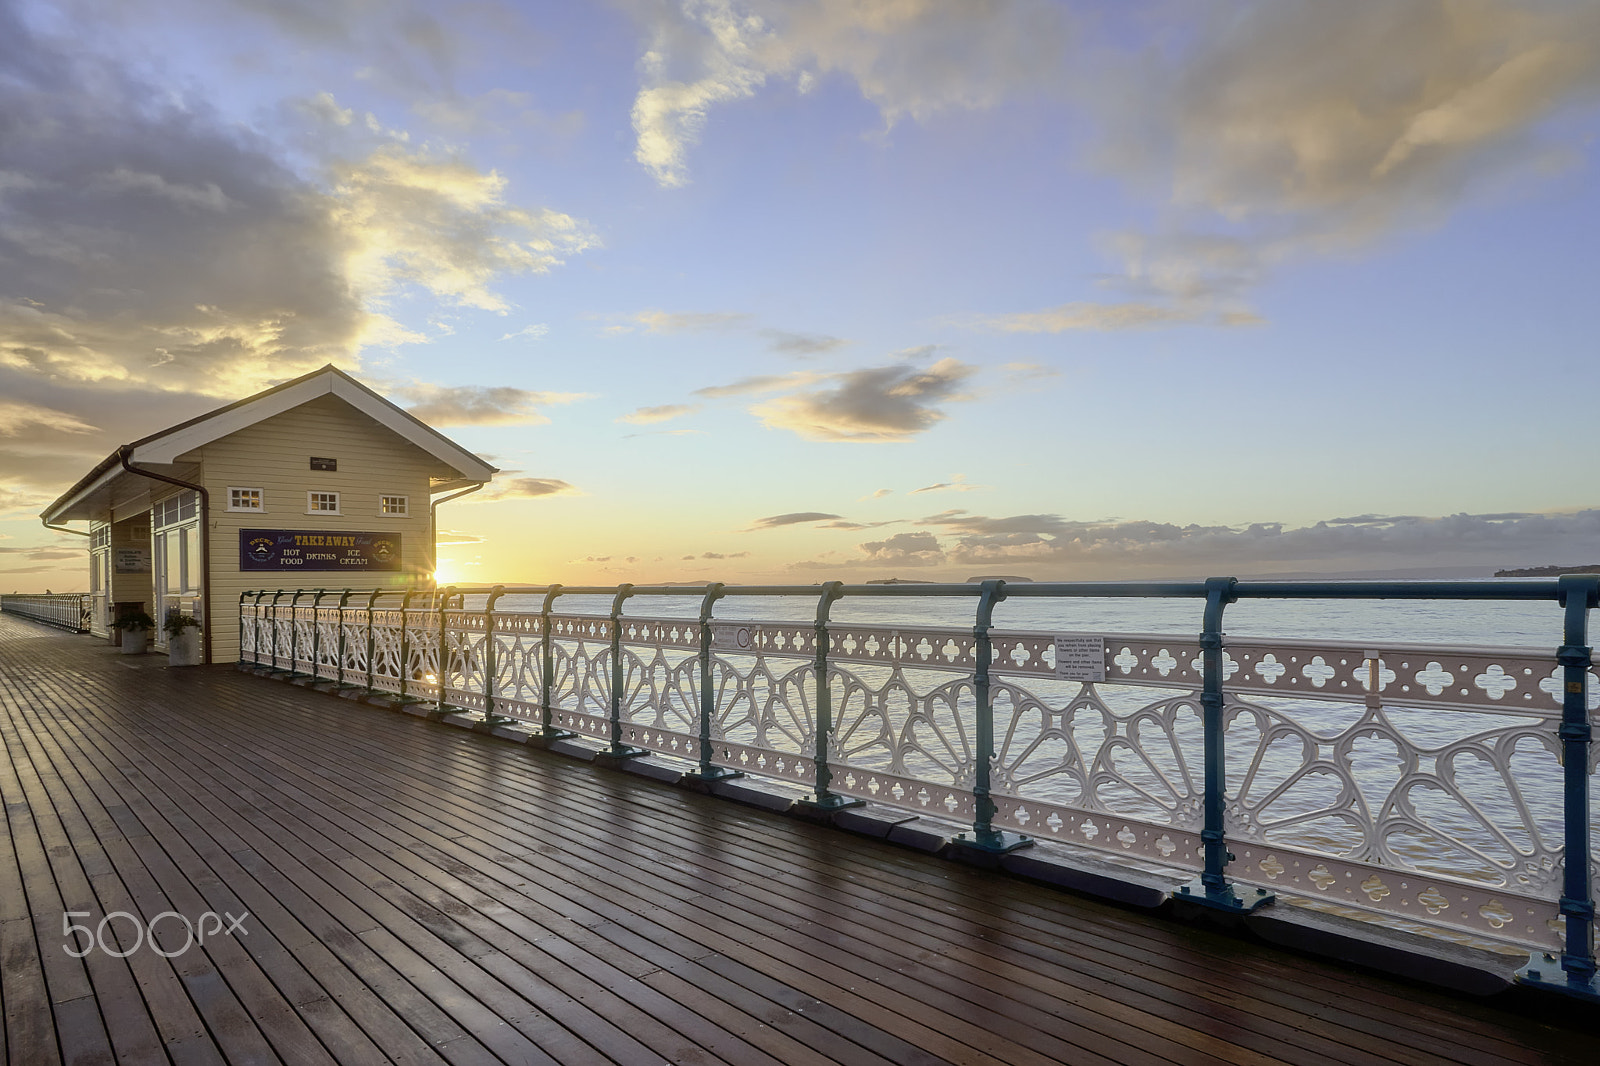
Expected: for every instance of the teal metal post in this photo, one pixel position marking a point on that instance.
(405, 647)
(1213, 889)
(490, 654)
(316, 633)
(273, 606)
(255, 628)
(708, 771)
(294, 633)
(344, 597)
(1576, 973)
(824, 798)
(444, 649)
(984, 836)
(547, 681)
(618, 749)
(372, 645)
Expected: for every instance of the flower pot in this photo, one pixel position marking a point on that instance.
(135, 641)
(184, 649)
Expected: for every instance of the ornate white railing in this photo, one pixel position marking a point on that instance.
(65, 610)
(1420, 782)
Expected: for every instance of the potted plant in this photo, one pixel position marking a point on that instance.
(183, 637)
(135, 627)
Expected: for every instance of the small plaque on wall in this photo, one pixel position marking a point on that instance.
(321, 463)
(132, 560)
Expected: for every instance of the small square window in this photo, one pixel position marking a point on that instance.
(322, 503)
(393, 505)
(244, 499)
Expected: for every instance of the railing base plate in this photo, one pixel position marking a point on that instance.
(1230, 898)
(996, 843)
(716, 773)
(1543, 971)
(828, 803)
(618, 754)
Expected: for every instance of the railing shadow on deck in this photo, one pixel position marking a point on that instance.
(1441, 786)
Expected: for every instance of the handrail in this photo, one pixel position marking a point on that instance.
(1230, 683)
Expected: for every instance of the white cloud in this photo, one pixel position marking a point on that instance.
(876, 405)
(666, 412)
(910, 58)
(16, 415)
(477, 405)
(532, 332)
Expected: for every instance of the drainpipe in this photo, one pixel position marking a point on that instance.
(205, 539)
(433, 526)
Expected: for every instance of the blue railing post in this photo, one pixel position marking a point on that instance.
(1213, 888)
(273, 619)
(372, 644)
(443, 657)
(618, 749)
(344, 598)
(316, 632)
(1577, 594)
(547, 669)
(708, 771)
(255, 610)
(254, 633)
(984, 836)
(404, 669)
(294, 633)
(824, 798)
(489, 656)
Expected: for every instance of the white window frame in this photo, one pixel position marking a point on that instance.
(261, 499)
(383, 505)
(314, 493)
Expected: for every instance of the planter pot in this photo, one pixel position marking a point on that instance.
(184, 649)
(135, 641)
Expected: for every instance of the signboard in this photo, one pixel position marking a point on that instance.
(1081, 658)
(321, 463)
(132, 560)
(303, 549)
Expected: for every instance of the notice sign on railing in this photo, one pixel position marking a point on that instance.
(303, 549)
(1081, 658)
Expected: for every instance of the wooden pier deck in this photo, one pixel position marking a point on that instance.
(417, 894)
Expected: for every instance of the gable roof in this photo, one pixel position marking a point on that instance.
(164, 447)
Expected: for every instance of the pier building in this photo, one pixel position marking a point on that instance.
(315, 482)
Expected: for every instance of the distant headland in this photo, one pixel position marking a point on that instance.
(1549, 571)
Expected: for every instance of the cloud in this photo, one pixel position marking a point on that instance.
(1363, 542)
(478, 405)
(666, 412)
(1091, 316)
(957, 483)
(149, 242)
(909, 59)
(905, 549)
(1019, 373)
(794, 518)
(521, 488)
(759, 383)
(682, 321)
(533, 332)
(878, 495)
(451, 536)
(720, 555)
(1288, 128)
(876, 405)
(45, 554)
(801, 345)
(15, 416)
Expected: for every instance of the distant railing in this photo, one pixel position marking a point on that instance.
(65, 610)
(1442, 786)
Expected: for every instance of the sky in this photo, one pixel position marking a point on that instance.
(750, 290)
